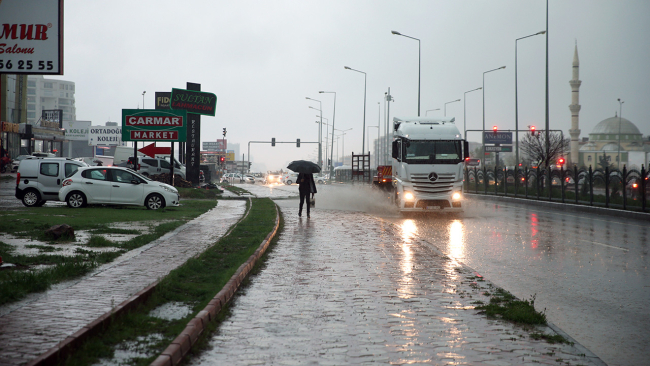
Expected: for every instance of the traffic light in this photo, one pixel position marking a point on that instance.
(222, 159)
(532, 130)
(495, 129)
(560, 161)
(273, 141)
(297, 142)
(224, 132)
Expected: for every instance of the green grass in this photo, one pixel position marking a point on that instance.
(22, 280)
(194, 283)
(198, 193)
(505, 306)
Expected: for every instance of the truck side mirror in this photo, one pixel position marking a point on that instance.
(466, 149)
(395, 151)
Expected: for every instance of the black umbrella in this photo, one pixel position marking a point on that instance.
(304, 166)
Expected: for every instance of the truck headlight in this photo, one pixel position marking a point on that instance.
(408, 196)
(455, 196)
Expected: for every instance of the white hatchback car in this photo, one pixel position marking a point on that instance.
(116, 186)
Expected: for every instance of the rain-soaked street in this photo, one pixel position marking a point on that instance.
(389, 296)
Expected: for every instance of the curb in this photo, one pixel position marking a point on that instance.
(181, 346)
(567, 207)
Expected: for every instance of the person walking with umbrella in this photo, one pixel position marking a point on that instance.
(306, 183)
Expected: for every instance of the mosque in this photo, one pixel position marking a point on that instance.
(616, 140)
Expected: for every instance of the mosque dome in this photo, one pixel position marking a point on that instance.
(611, 126)
(611, 147)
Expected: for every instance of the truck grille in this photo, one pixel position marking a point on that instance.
(442, 185)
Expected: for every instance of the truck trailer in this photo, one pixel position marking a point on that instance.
(428, 156)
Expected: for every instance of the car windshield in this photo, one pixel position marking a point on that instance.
(432, 152)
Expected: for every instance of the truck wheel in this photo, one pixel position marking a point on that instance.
(76, 200)
(31, 198)
(154, 202)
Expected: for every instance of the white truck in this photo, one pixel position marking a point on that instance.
(428, 159)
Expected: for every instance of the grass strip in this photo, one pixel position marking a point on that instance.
(194, 283)
(18, 282)
(505, 306)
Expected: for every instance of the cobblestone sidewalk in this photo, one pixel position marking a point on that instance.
(33, 329)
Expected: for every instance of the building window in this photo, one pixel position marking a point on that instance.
(31, 91)
(47, 85)
(61, 86)
(31, 107)
(588, 157)
(31, 83)
(31, 114)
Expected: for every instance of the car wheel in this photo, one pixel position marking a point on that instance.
(289, 182)
(31, 198)
(75, 200)
(154, 202)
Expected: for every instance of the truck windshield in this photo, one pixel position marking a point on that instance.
(432, 152)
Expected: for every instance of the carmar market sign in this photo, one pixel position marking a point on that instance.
(31, 37)
(194, 101)
(154, 125)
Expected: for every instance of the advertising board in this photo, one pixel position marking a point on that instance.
(192, 101)
(497, 138)
(76, 130)
(154, 125)
(105, 136)
(31, 37)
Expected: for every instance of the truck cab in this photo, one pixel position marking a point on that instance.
(428, 158)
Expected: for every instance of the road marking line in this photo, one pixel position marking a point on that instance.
(605, 245)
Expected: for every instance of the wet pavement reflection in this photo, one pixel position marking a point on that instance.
(346, 287)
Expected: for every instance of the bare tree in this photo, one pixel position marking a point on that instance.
(534, 147)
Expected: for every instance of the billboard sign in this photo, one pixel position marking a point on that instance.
(192, 101)
(54, 116)
(162, 100)
(76, 130)
(498, 148)
(491, 137)
(31, 37)
(105, 136)
(154, 125)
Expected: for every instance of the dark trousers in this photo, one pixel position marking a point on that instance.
(304, 196)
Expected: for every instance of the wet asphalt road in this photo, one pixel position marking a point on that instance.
(590, 272)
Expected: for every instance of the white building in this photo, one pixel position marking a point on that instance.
(50, 94)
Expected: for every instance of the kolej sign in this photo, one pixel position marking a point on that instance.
(31, 37)
(104, 136)
(194, 101)
(154, 125)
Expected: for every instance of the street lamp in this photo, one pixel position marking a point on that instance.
(326, 133)
(333, 120)
(143, 98)
(453, 101)
(363, 132)
(517, 100)
(343, 133)
(464, 109)
(320, 132)
(483, 132)
(419, 63)
(431, 110)
(620, 117)
(376, 153)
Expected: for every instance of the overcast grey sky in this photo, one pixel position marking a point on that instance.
(262, 58)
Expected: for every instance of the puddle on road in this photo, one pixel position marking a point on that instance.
(126, 352)
(171, 311)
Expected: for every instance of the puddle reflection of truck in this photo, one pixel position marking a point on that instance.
(427, 166)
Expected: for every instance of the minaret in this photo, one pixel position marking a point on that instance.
(575, 110)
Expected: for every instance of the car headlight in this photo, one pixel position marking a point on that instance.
(455, 196)
(408, 196)
(169, 189)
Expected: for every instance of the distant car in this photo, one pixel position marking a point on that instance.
(290, 178)
(116, 186)
(16, 162)
(272, 179)
(231, 178)
(39, 179)
(321, 179)
(248, 179)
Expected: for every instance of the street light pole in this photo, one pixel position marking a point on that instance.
(326, 136)
(419, 63)
(517, 101)
(620, 117)
(453, 101)
(464, 110)
(430, 110)
(343, 133)
(333, 120)
(143, 98)
(377, 154)
(320, 132)
(483, 134)
(363, 133)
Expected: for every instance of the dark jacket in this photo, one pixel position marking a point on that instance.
(306, 183)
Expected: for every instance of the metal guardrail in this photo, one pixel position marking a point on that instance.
(610, 188)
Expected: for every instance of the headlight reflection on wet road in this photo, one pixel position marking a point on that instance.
(409, 231)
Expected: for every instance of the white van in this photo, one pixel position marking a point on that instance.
(39, 179)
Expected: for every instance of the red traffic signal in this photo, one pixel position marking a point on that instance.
(494, 129)
(560, 161)
(532, 130)
(222, 159)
